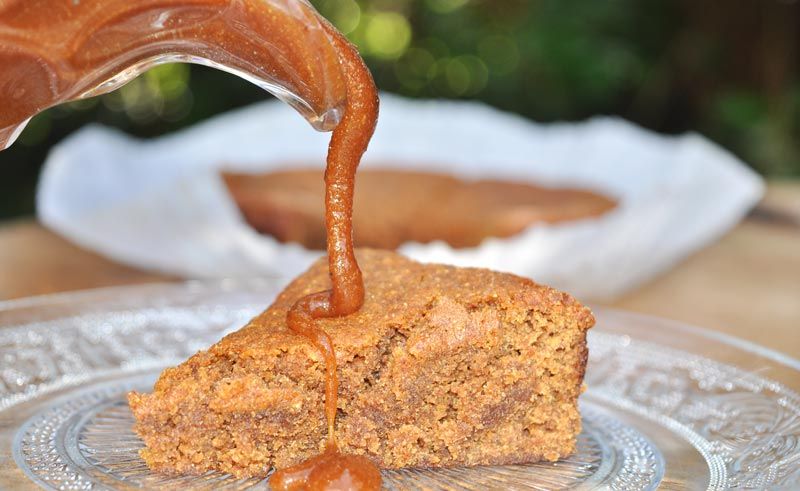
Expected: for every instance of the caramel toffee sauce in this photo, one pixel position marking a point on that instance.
(332, 469)
(53, 51)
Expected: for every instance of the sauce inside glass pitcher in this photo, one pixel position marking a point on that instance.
(53, 51)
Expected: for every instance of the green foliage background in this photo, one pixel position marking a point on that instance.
(728, 70)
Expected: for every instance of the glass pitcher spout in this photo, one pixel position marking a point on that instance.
(54, 51)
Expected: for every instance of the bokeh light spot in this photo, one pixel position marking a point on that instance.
(160, 93)
(500, 53)
(387, 35)
(458, 76)
(478, 73)
(413, 71)
(346, 16)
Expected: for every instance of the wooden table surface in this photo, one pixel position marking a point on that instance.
(746, 284)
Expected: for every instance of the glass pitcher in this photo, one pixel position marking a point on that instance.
(54, 51)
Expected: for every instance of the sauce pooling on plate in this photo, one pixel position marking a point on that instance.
(332, 469)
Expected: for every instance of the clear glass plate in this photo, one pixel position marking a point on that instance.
(668, 405)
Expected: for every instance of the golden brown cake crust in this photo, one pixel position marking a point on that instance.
(397, 206)
(442, 366)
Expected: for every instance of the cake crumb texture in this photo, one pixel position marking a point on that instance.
(442, 366)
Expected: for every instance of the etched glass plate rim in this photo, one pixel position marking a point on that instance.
(229, 284)
(606, 432)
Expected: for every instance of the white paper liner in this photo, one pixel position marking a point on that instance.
(161, 205)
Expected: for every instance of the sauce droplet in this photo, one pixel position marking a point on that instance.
(330, 470)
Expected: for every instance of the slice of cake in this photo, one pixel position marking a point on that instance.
(442, 366)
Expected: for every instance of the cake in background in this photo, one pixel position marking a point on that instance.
(395, 206)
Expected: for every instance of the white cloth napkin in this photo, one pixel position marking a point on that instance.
(161, 205)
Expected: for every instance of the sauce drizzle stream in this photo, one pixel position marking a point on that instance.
(332, 469)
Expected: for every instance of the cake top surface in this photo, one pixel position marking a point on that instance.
(398, 291)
